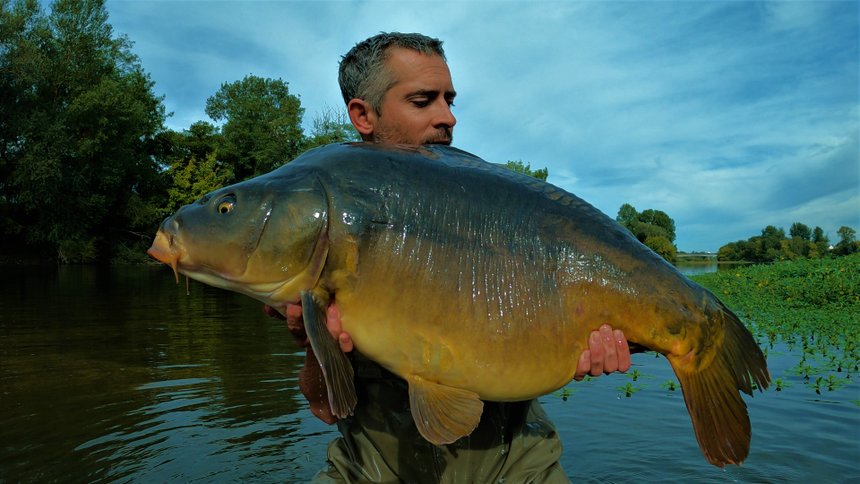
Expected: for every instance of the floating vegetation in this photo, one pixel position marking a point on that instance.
(830, 384)
(779, 384)
(670, 385)
(564, 393)
(811, 306)
(629, 389)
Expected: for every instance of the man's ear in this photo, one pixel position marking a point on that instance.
(363, 117)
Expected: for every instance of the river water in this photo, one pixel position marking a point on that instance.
(116, 375)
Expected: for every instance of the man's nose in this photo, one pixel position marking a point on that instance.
(444, 117)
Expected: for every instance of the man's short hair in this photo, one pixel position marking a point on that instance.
(362, 72)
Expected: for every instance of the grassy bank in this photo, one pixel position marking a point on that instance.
(813, 306)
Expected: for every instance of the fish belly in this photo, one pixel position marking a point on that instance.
(507, 348)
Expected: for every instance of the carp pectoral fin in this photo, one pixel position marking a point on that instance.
(336, 368)
(443, 414)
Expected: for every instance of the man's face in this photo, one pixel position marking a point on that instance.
(417, 108)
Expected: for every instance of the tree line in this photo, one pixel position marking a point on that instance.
(800, 243)
(88, 169)
(656, 229)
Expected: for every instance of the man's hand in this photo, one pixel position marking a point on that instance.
(296, 325)
(607, 352)
(311, 380)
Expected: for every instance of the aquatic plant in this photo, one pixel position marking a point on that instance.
(779, 384)
(564, 393)
(812, 306)
(629, 389)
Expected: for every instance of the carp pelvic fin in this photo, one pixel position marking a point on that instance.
(443, 414)
(336, 368)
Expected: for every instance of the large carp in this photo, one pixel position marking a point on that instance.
(466, 279)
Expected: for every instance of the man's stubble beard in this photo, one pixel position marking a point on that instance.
(443, 136)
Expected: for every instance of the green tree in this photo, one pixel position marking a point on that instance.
(193, 178)
(194, 168)
(199, 141)
(262, 125)
(799, 246)
(820, 243)
(331, 126)
(800, 230)
(818, 236)
(733, 251)
(526, 169)
(627, 214)
(847, 235)
(795, 248)
(79, 120)
(768, 246)
(644, 230)
(660, 219)
(847, 241)
(653, 228)
(663, 247)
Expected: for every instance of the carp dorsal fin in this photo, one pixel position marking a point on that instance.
(336, 368)
(443, 414)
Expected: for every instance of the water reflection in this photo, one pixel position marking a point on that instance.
(695, 267)
(116, 375)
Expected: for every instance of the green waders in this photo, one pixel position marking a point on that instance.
(515, 441)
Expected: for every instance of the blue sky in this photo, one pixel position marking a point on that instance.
(727, 115)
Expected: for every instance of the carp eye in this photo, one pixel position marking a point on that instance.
(227, 204)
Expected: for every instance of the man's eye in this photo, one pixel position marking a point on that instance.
(421, 103)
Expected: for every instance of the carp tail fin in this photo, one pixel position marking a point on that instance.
(712, 391)
(336, 368)
(442, 413)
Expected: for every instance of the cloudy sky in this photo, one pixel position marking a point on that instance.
(727, 115)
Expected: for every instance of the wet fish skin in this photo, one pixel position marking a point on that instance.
(448, 271)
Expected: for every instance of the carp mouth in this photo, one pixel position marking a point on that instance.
(163, 251)
(169, 251)
(166, 250)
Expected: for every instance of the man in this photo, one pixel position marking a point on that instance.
(398, 90)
